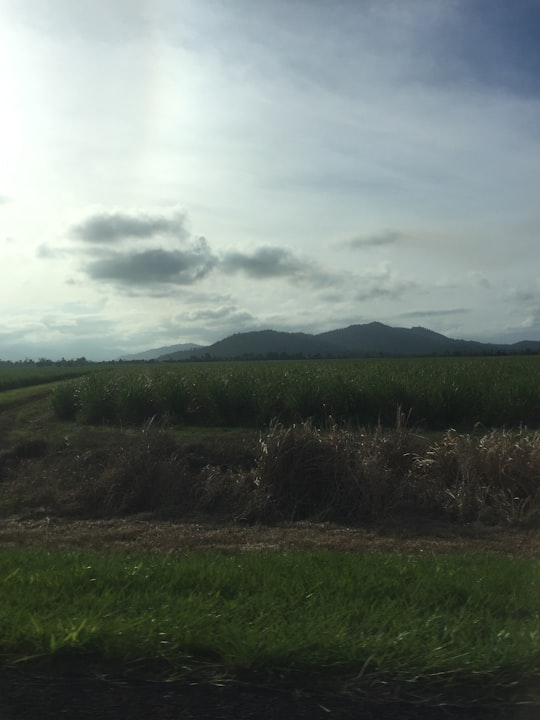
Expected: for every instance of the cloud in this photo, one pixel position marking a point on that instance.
(376, 292)
(383, 283)
(523, 327)
(530, 293)
(217, 314)
(4, 199)
(270, 262)
(151, 266)
(265, 262)
(116, 23)
(479, 279)
(62, 332)
(360, 242)
(209, 324)
(524, 295)
(46, 251)
(433, 313)
(116, 226)
(487, 44)
(147, 267)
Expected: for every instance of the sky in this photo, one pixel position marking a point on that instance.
(176, 171)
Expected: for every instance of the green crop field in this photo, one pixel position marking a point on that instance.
(436, 393)
(18, 375)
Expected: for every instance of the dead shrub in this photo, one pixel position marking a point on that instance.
(148, 474)
(227, 492)
(494, 476)
(303, 472)
(105, 473)
(296, 473)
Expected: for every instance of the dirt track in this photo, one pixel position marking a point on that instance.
(144, 534)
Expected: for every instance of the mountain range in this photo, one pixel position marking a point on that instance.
(155, 353)
(371, 340)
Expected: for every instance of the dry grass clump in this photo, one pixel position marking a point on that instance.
(148, 474)
(298, 472)
(490, 477)
(99, 473)
(102, 473)
(337, 474)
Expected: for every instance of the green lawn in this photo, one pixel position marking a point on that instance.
(433, 627)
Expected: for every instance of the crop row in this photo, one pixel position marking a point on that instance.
(436, 393)
(14, 375)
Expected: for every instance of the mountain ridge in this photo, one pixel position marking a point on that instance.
(368, 340)
(155, 353)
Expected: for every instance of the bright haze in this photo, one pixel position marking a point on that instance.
(175, 171)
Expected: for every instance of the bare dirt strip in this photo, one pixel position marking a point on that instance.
(147, 534)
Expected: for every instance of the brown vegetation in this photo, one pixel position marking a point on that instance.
(298, 486)
(288, 474)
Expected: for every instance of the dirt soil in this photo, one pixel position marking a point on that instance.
(144, 533)
(78, 698)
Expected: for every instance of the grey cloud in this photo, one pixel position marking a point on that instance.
(383, 283)
(197, 297)
(364, 289)
(277, 262)
(112, 227)
(154, 266)
(359, 242)
(533, 320)
(9, 336)
(4, 199)
(530, 294)
(323, 279)
(373, 293)
(433, 313)
(81, 327)
(211, 312)
(59, 336)
(46, 251)
(527, 329)
(214, 323)
(266, 262)
(471, 51)
(479, 279)
(219, 313)
(334, 296)
(123, 21)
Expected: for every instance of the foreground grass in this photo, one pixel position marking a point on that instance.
(457, 628)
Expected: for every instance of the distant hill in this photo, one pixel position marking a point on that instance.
(155, 353)
(262, 342)
(376, 338)
(372, 340)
